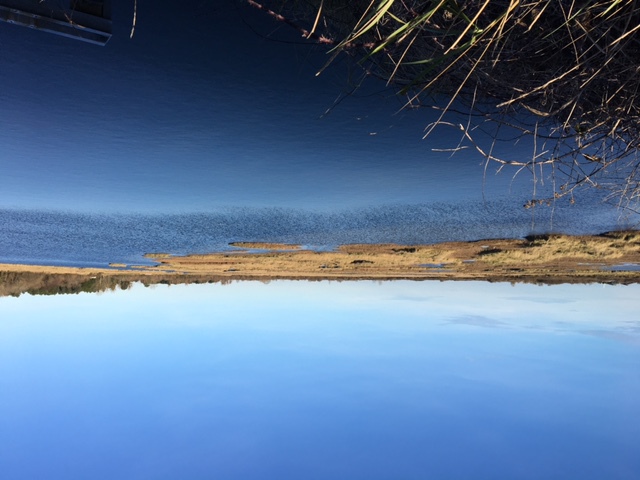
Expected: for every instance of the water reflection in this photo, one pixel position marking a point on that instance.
(322, 380)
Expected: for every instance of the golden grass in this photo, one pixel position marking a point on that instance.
(612, 247)
(540, 259)
(541, 255)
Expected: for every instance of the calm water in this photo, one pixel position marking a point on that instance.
(199, 111)
(350, 380)
(200, 131)
(165, 122)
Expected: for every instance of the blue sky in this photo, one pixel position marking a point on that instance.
(322, 380)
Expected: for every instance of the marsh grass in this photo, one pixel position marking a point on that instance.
(549, 248)
(537, 259)
(390, 259)
(564, 74)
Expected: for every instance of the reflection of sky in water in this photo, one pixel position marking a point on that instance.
(322, 380)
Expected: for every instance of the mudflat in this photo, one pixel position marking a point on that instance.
(612, 257)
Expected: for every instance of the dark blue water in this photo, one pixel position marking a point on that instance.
(210, 126)
(216, 105)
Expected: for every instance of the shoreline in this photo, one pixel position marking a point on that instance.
(611, 257)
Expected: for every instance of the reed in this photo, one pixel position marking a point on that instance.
(563, 73)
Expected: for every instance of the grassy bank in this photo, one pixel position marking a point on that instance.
(611, 257)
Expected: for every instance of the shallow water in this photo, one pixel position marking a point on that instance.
(58, 238)
(322, 380)
(626, 267)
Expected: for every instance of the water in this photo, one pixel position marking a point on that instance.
(63, 238)
(353, 380)
(165, 123)
(174, 141)
(176, 121)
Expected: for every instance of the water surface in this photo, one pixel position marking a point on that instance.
(216, 106)
(65, 238)
(210, 126)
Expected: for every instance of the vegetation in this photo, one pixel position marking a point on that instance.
(563, 74)
(612, 257)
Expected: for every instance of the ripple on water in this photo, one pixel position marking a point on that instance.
(59, 238)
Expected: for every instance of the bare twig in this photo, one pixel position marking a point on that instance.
(135, 15)
(563, 74)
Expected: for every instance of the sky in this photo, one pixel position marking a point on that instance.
(322, 380)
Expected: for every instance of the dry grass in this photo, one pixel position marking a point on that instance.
(563, 73)
(608, 248)
(541, 259)
(535, 256)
